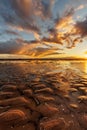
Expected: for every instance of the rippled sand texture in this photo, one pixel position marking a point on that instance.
(43, 96)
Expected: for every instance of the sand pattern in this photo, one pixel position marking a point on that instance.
(43, 106)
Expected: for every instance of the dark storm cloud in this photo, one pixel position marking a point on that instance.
(10, 47)
(81, 28)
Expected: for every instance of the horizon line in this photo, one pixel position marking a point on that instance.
(43, 58)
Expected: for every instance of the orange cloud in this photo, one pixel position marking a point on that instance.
(64, 30)
(80, 7)
(65, 23)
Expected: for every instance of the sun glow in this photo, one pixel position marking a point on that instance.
(85, 55)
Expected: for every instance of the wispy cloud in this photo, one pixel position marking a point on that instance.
(80, 7)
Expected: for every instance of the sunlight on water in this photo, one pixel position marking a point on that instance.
(45, 67)
(26, 70)
(85, 67)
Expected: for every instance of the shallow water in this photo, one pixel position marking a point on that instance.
(58, 90)
(26, 71)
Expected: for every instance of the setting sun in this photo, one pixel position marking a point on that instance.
(85, 55)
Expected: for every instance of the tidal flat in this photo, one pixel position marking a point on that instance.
(43, 95)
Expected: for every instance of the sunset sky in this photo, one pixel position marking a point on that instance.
(43, 28)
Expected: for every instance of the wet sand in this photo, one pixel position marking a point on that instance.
(30, 100)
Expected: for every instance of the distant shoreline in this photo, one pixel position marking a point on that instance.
(42, 59)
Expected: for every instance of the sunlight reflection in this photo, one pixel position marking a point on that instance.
(85, 67)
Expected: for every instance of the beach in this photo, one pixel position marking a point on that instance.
(43, 95)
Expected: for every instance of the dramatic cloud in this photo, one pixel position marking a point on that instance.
(19, 13)
(49, 24)
(24, 13)
(61, 33)
(32, 48)
(81, 28)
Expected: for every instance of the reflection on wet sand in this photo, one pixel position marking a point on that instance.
(43, 95)
(85, 67)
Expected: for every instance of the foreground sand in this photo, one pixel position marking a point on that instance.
(39, 95)
(43, 106)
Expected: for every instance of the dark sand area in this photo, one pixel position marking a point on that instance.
(39, 95)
